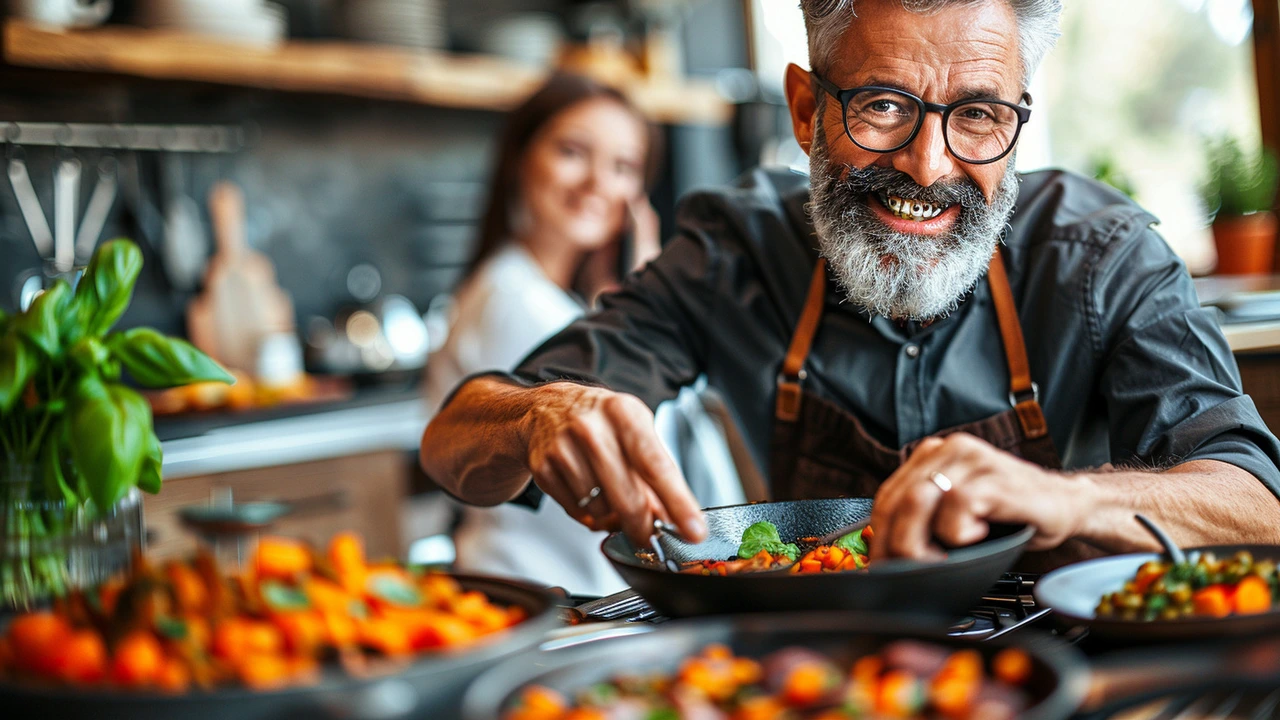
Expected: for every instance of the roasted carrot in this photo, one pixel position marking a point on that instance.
(173, 677)
(1213, 601)
(807, 683)
(346, 555)
(36, 639)
(900, 694)
(282, 557)
(834, 557)
(137, 660)
(82, 658)
(1252, 596)
(953, 694)
(1012, 666)
(539, 703)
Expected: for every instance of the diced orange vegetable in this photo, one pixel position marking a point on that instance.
(174, 676)
(834, 557)
(1012, 666)
(282, 557)
(137, 660)
(538, 703)
(868, 533)
(867, 669)
(717, 651)
(188, 588)
(952, 695)
(807, 683)
(965, 664)
(327, 595)
(36, 639)
(1213, 601)
(303, 631)
(810, 566)
(198, 631)
(442, 631)
(761, 707)
(585, 714)
(1252, 596)
(82, 658)
(516, 615)
(441, 589)
(1145, 578)
(263, 638)
(900, 694)
(339, 629)
(346, 554)
(747, 671)
(231, 640)
(264, 672)
(384, 635)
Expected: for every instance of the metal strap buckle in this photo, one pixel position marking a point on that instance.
(1035, 395)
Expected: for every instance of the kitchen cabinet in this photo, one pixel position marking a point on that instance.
(363, 492)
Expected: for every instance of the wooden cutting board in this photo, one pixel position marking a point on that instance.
(241, 302)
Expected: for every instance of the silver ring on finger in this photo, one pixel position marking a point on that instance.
(942, 481)
(592, 494)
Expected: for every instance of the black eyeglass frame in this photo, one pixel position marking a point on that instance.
(843, 96)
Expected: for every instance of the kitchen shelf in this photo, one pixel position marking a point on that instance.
(339, 68)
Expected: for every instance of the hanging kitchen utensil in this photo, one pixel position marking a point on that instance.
(184, 234)
(66, 198)
(241, 303)
(29, 205)
(100, 204)
(934, 591)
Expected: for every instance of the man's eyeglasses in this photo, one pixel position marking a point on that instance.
(884, 120)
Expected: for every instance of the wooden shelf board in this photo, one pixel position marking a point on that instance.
(341, 68)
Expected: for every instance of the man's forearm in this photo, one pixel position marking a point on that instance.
(1204, 502)
(476, 447)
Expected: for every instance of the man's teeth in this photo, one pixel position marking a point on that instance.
(909, 209)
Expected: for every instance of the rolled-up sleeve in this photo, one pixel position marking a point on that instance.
(1169, 381)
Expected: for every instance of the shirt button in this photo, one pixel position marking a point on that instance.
(913, 351)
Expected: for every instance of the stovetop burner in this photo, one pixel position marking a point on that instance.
(1008, 607)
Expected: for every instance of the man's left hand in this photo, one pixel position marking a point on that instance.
(950, 489)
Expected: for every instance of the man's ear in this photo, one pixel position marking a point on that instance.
(803, 105)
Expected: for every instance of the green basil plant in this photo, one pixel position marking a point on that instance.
(63, 405)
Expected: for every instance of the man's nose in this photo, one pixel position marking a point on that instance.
(926, 159)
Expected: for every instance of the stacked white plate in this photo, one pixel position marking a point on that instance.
(409, 23)
(249, 21)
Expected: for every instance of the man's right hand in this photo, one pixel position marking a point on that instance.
(581, 437)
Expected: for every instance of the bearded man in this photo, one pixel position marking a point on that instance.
(916, 322)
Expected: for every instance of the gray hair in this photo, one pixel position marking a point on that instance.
(826, 21)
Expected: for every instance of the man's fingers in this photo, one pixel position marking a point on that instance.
(548, 479)
(958, 520)
(650, 461)
(576, 473)
(909, 536)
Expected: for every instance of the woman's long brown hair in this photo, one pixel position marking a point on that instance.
(562, 91)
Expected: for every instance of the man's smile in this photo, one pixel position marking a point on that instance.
(908, 215)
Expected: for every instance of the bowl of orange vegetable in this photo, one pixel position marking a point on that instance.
(298, 632)
(792, 667)
(1219, 592)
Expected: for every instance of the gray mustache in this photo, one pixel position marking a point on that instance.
(872, 179)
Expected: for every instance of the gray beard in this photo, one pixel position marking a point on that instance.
(903, 276)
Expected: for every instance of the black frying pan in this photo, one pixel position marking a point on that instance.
(1074, 591)
(1057, 683)
(430, 687)
(937, 591)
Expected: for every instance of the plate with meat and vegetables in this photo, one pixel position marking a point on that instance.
(300, 631)
(1217, 592)
(762, 557)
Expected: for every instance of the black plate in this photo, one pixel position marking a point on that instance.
(1074, 591)
(938, 591)
(430, 687)
(1057, 683)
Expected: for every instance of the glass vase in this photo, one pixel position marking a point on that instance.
(49, 547)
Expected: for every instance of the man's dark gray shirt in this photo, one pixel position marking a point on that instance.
(1131, 370)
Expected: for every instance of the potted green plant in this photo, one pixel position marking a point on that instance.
(1240, 192)
(75, 440)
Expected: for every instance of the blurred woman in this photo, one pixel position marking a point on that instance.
(567, 217)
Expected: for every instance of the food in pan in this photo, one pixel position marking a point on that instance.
(1204, 586)
(180, 625)
(907, 679)
(762, 549)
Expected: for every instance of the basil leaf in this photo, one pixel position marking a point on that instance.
(89, 354)
(106, 287)
(279, 596)
(17, 365)
(108, 425)
(39, 323)
(393, 590)
(155, 360)
(853, 542)
(764, 536)
(149, 477)
(171, 628)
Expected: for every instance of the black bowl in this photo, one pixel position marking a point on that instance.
(1057, 684)
(432, 686)
(939, 592)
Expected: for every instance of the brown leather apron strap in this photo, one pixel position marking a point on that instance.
(792, 373)
(1024, 395)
